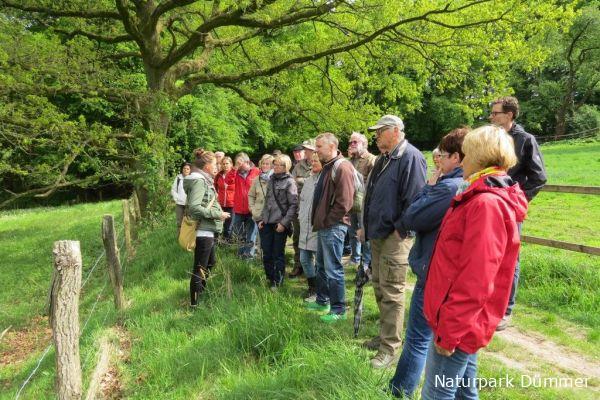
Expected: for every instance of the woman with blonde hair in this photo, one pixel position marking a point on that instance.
(202, 206)
(258, 190)
(281, 205)
(472, 267)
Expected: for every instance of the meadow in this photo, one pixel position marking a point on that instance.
(247, 342)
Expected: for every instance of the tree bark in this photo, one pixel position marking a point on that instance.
(64, 318)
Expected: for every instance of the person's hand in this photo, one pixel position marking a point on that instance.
(443, 352)
(434, 176)
(261, 225)
(225, 215)
(360, 235)
(280, 228)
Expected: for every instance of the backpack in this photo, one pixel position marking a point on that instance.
(359, 186)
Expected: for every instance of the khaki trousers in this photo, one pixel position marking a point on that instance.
(389, 265)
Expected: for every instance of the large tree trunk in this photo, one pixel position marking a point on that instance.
(156, 118)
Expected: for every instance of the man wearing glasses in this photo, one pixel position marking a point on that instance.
(397, 177)
(363, 162)
(529, 172)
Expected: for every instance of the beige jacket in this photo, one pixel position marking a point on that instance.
(256, 197)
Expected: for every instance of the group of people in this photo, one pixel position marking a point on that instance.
(458, 231)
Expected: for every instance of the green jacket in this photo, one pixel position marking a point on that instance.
(200, 192)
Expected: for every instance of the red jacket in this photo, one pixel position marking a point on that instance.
(242, 186)
(473, 263)
(225, 185)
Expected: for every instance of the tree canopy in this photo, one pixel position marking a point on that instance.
(122, 91)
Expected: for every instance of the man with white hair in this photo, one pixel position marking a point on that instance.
(398, 176)
(363, 161)
(219, 155)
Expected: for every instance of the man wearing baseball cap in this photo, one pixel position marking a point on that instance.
(397, 177)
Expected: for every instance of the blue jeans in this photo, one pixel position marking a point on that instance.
(245, 229)
(358, 249)
(307, 260)
(414, 353)
(273, 247)
(330, 271)
(513, 290)
(449, 378)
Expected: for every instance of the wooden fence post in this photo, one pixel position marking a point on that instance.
(127, 229)
(136, 207)
(109, 238)
(64, 317)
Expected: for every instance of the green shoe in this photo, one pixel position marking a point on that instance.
(314, 306)
(332, 318)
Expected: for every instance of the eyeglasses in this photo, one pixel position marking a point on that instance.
(442, 155)
(354, 142)
(382, 129)
(494, 113)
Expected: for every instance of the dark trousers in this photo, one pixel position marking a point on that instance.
(204, 260)
(227, 224)
(296, 241)
(273, 247)
(513, 290)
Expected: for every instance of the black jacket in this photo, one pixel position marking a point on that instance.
(529, 172)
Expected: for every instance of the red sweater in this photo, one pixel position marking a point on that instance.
(242, 187)
(225, 185)
(473, 263)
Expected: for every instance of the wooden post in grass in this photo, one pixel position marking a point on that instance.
(136, 207)
(109, 238)
(127, 228)
(64, 317)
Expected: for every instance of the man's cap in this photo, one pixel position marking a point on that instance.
(388, 120)
(298, 147)
(309, 144)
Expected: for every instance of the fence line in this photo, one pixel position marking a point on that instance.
(558, 244)
(46, 351)
(572, 189)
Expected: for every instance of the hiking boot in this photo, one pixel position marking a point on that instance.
(383, 360)
(311, 294)
(314, 306)
(332, 318)
(503, 323)
(296, 272)
(373, 343)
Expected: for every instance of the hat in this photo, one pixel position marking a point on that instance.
(309, 144)
(388, 120)
(298, 147)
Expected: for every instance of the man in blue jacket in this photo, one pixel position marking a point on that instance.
(424, 216)
(397, 176)
(529, 172)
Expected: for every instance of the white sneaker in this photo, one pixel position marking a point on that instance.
(311, 298)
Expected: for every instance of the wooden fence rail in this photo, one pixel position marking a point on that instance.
(580, 248)
(572, 189)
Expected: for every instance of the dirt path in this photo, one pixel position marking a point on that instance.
(550, 352)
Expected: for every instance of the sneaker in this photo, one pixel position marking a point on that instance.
(331, 318)
(312, 298)
(373, 343)
(383, 360)
(503, 323)
(314, 306)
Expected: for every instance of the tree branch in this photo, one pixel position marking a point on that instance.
(96, 37)
(62, 13)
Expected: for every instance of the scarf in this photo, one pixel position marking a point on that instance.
(265, 176)
(473, 177)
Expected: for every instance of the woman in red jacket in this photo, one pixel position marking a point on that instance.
(472, 267)
(225, 185)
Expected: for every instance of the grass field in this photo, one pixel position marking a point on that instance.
(246, 342)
